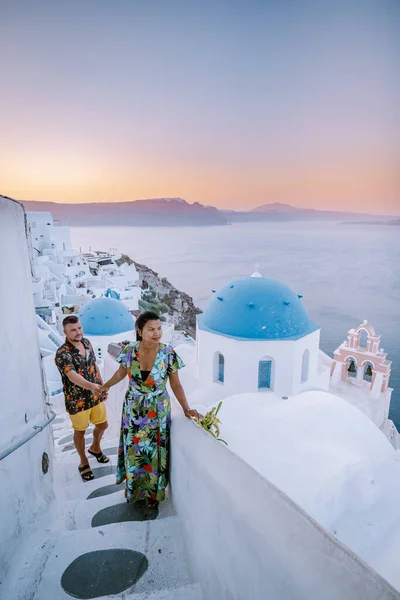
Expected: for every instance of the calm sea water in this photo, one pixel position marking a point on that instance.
(346, 273)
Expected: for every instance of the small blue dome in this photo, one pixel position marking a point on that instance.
(106, 316)
(256, 308)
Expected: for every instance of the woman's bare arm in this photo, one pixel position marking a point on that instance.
(116, 378)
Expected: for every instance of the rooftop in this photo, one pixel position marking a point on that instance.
(256, 308)
(106, 316)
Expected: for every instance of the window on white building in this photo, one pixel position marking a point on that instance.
(264, 374)
(219, 367)
(305, 366)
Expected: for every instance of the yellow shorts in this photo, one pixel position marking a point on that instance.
(96, 415)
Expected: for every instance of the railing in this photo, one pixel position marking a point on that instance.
(36, 429)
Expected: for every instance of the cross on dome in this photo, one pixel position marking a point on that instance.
(256, 271)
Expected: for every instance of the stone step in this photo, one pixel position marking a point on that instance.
(44, 561)
(159, 542)
(96, 509)
(187, 592)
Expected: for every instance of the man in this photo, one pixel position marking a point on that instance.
(82, 383)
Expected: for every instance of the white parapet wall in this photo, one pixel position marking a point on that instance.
(246, 540)
(25, 490)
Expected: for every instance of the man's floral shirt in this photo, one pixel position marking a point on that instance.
(68, 358)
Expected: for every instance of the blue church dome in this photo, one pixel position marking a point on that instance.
(256, 308)
(106, 316)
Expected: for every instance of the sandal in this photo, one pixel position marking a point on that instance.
(152, 504)
(86, 473)
(99, 456)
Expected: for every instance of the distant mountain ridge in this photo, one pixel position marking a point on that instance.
(277, 207)
(178, 212)
(151, 212)
(285, 212)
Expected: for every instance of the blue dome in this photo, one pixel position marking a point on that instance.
(256, 308)
(106, 316)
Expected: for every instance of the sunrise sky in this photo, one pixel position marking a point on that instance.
(225, 102)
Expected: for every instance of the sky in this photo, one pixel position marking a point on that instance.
(229, 103)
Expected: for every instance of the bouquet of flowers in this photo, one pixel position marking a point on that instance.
(210, 422)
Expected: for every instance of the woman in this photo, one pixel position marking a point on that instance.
(143, 454)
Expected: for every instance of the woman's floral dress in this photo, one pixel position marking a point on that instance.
(143, 454)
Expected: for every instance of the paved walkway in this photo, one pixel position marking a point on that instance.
(92, 544)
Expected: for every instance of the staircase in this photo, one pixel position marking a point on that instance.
(92, 544)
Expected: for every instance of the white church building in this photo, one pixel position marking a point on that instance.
(255, 336)
(261, 325)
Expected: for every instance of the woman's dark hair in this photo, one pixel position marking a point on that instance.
(142, 320)
(71, 319)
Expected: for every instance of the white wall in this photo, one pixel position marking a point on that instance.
(24, 489)
(60, 235)
(286, 368)
(41, 225)
(246, 540)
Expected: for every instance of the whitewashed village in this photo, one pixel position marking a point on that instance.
(300, 503)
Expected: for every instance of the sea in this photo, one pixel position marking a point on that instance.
(346, 273)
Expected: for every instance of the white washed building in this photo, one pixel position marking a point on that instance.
(255, 335)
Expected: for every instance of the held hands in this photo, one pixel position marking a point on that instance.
(99, 390)
(95, 388)
(104, 390)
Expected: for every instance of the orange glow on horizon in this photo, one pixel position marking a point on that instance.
(353, 186)
(231, 106)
